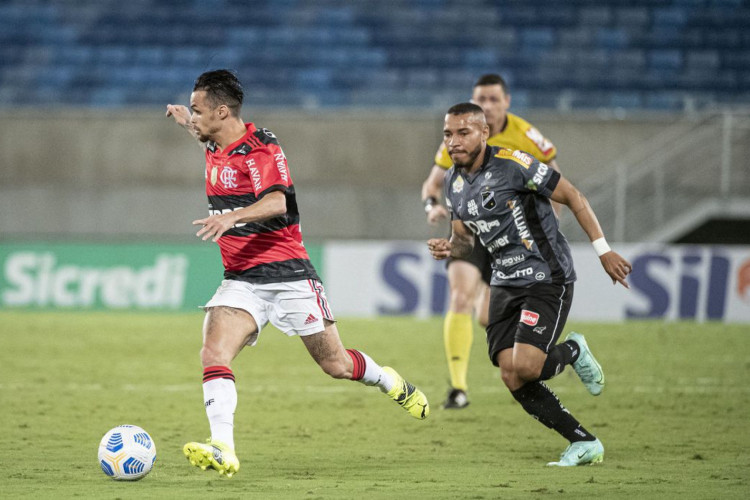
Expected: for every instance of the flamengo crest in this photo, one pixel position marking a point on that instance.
(229, 177)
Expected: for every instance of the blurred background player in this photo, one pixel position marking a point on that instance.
(501, 199)
(268, 274)
(469, 278)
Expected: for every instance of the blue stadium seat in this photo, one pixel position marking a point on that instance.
(625, 53)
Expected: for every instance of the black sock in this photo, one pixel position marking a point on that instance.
(559, 356)
(542, 404)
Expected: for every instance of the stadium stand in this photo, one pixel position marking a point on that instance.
(579, 54)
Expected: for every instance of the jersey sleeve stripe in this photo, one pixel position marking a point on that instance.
(275, 187)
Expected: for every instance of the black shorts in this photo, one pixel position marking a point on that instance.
(479, 258)
(535, 315)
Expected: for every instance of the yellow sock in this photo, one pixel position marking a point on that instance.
(458, 334)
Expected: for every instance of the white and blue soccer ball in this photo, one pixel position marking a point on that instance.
(127, 453)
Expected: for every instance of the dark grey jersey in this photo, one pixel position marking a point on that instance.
(506, 205)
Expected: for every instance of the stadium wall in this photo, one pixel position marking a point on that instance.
(367, 279)
(134, 174)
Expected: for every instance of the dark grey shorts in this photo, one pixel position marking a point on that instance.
(535, 315)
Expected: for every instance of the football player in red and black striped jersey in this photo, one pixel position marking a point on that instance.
(268, 277)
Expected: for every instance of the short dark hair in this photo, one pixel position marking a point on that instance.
(222, 87)
(492, 79)
(464, 108)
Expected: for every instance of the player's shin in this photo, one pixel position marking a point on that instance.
(458, 335)
(542, 404)
(220, 400)
(368, 371)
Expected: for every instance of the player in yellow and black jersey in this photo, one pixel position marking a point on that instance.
(469, 279)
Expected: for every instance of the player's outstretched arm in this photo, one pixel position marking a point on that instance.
(181, 116)
(614, 264)
(432, 189)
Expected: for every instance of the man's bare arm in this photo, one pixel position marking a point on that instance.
(432, 193)
(181, 116)
(616, 266)
(271, 205)
(462, 240)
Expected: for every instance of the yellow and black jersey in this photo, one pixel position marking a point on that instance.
(518, 134)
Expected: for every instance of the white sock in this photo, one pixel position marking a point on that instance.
(220, 400)
(371, 373)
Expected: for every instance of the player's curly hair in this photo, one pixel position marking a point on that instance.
(222, 87)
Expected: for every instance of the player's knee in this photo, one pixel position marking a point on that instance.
(336, 369)
(210, 356)
(527, 372)
(462, 302)
(511, 379)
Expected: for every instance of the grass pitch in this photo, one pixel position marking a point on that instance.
(674, 417)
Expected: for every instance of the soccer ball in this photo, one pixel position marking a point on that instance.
(127, 453)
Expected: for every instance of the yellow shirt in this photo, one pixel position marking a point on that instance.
(518, 134)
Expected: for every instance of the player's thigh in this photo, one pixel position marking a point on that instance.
(464, 279)
(297, 307)
(543, 315)
(504, 311)
(226, 330)
(482, 305)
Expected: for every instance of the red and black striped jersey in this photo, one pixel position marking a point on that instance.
(240, 175)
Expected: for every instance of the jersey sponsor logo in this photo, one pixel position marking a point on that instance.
(520, 222)
(517, 156)
(518, 273)
(544, 145)
(228, 177)
(488, 175)
(472, 208)
(541, 171)
(540, 276)
(481, 227)
(540, 329)
(513, 259)
(214, 175)
(250, 162)
(255, 176)
(488, 200)
(529, 317)
(525, 158)
(281, 165)
(268, 133)
(458, 184)
(498, 243)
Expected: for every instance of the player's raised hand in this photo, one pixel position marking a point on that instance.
(617, 267)
(440, 248)
(214, 226)
(180, 114)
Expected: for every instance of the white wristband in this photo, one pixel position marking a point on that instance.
(600, 246)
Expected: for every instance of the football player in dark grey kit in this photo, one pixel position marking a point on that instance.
(501, 199)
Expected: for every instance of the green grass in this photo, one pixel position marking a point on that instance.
(674, 418)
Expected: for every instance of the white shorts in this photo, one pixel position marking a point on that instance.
(294, 307)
